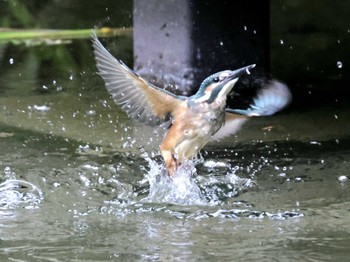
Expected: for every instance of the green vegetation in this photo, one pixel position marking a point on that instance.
(17, 36)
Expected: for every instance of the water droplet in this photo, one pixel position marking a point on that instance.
(281, 42)
(42, 108)
(298, 179)
(7, 171)
(339, 64)
(245, 28)
(221, 43)
(315, 143)
(11, 61)
(91, 112)
(187, 132)
(342, 178)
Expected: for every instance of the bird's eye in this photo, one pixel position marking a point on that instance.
(216, 79)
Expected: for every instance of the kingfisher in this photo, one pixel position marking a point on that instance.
(194, 120)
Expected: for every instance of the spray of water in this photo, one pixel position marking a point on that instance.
(179, 189)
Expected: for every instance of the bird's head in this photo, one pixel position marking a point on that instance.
(218, 85)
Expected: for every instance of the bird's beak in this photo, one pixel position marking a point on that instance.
(239, 72)
(232, 78)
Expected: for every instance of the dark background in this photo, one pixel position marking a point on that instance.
(309, 41)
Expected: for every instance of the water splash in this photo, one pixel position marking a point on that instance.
(179, 189)
(16, 193)
(208, 191)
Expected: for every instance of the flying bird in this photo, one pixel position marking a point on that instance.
(195, 120)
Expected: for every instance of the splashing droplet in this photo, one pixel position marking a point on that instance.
(339, 64)
(342, 178)
(180, 189)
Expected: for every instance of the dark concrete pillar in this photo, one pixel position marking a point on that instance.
(180, 42)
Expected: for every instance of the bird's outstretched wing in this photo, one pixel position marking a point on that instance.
(139, 99)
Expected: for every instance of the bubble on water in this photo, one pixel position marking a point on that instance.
(16, 193)
(339, 64)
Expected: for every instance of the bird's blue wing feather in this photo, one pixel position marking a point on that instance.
(270, 99)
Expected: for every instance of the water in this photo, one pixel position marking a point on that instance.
(258, 201)
(81, 182)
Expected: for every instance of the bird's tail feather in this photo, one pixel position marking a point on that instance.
(259, 97)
